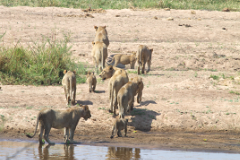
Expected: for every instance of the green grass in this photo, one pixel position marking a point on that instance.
(120, 4)
(234, 92)
(40, 64)
(214, 77)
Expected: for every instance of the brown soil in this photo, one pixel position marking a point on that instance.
(181, 106)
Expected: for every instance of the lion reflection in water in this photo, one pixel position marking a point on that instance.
(123, 153)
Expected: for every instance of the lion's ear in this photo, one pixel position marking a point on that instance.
(93, 43)
(85, 108)
(74, 72)
(92, 73)
(151, 50)
(96, 27)
(65, 71)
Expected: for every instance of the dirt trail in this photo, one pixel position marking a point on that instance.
(181, 107)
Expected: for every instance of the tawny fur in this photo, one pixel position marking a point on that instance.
(69, 86)
(118, 77)
(92, 81)
(125, 97)
(144, 55)
(99, 54)
(125, 59)
(67, 119)
(118, 125)
(101, 35)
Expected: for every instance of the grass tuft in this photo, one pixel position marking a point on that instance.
(40, 64)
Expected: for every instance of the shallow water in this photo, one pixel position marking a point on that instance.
(31, 150)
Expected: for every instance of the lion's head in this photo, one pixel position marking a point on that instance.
(107, 72)
(101, 29)
(87, 113)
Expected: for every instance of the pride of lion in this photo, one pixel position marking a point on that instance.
(121, 90)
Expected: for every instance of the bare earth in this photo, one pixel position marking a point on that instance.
(182, 107)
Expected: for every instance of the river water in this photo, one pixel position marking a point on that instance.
(31, 150)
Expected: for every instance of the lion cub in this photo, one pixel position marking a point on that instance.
(69, 86)
(144, 55)
(92, 81)
(118, 125)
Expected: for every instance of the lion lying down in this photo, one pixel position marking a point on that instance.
(68, 119)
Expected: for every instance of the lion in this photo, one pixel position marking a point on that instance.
(118, 125)
(69, 86)
(92, 81)
(68, 119)
(118, 77)
(125, 96)
(144, 54)
(125, 59)
(101, 35)
(99, 54)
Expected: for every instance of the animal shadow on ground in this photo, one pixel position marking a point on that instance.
(96, 91)
(146, 103)
(142, 119)
(84, 102)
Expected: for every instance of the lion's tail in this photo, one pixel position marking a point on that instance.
(29, 136)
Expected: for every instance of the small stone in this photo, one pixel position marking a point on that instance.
(167, 9)
(170, 19)
(117, 15)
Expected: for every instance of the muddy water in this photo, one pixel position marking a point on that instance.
(30, 150)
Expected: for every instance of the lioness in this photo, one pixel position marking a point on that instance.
(101, 35)
(118, 77)
(118, 125)
(125, 59)
(68, 119)
(69, 86)
(99, 54)
(92, 81)
(125, 97)
(144, 55)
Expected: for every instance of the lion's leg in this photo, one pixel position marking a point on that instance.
(74, 96)
(111, 100)
(131, 65)
(143, 67)
(94, 86)
(47, 130)
(115, 103)
(119, 133)
(125, 130)
(72, 129)
(113, 131)
(66, 134)
(149, 65)
(65, 92)
(68, 95)
(40, 133)
(139, 66)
